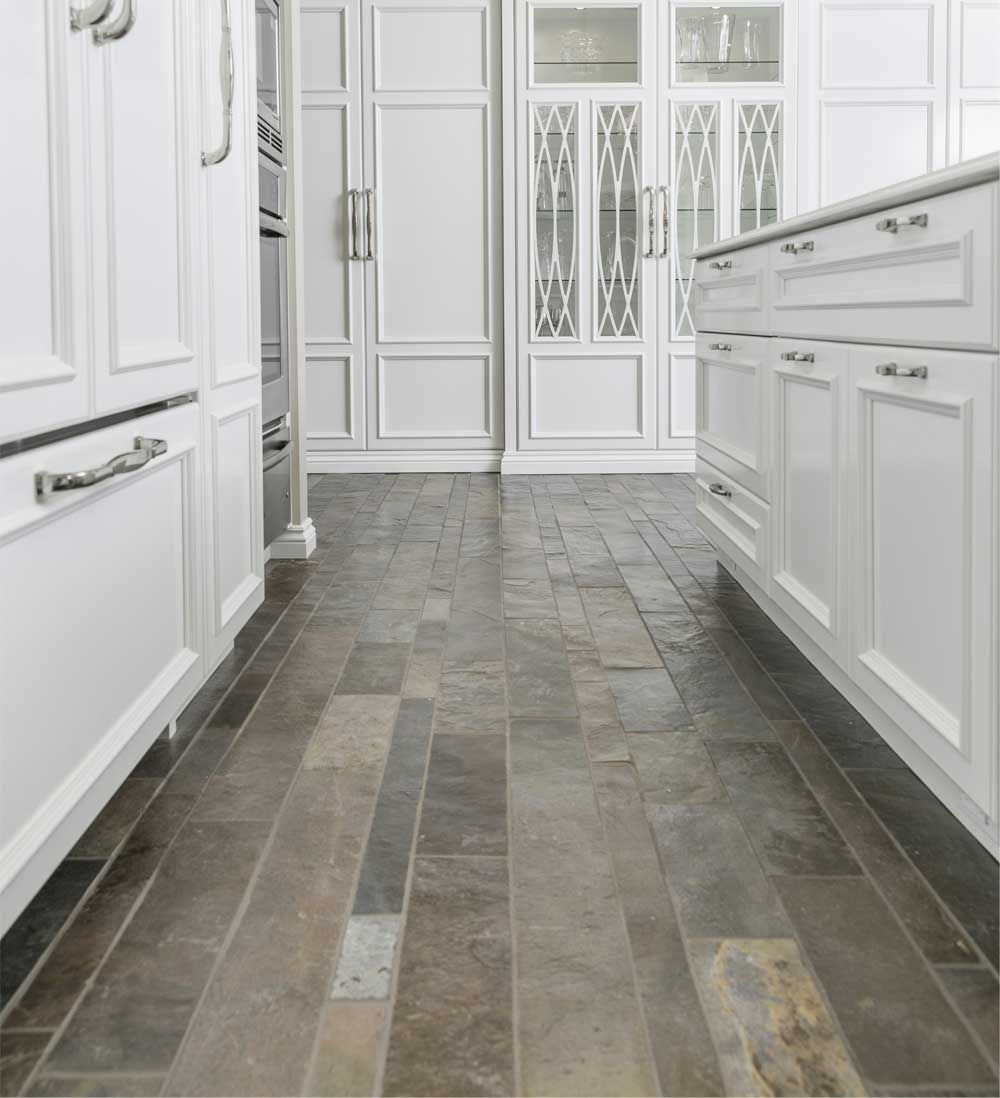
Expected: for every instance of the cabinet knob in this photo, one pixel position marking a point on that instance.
(891, 369)
(797, 356)
(894, 224)
(794, 247)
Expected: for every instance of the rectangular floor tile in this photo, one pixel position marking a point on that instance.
(374, 669)
(976, 994)
(472, 698)
(465, 800)
(367, 957)
(899, 1025)
(538, 678)
(19, 1053)
(116, 819)
(675, 768)
(452, 1026)
(348, 1049)
(648, 701)
(621, 637)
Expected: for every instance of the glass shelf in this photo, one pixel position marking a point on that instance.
(586, 45)
(727, 45)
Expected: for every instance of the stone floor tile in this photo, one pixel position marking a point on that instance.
(975, 993)
(374, 669)
(19, 1053)
(649, 587)
(618, 630)
(389, 627)
(756, 681)
(452, 1026)
(472, 698)
(528, 598)
(771, 1026)
(538, 679)
(473, 636)
(367, 955)
(348, 1048)
(899, 1025)
(465, 798)
(648, 701)
(602, 730)
(675, 768)
(144, 1085)
(116, 819)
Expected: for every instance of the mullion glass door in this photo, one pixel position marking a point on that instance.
(554, 221)
(617, 202)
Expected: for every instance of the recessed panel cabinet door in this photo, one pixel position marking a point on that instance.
(44, 357)
(924, 570)
(145, 156)
(432, 224)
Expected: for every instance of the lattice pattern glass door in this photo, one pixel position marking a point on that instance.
(618, 235)
(695, 198)
(554, 221)
(758, 164)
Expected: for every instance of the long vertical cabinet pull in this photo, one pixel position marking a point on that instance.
(123, 22)
(369, 223)
(352, 197)
(91, 15)
(650, 252)
(665, 193)
(227, 77)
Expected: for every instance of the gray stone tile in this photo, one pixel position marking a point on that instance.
(473, 636)
(629, 549)
(649, 586)
(618, 630)
(465, 799)
(936, 933)
(136, 1012)
(96, 1086)
(374, 669)
(389, 627)
(975, 992)
(595, 572)
(538, 678)
(899, 1025)
(790, 831)
(602, 730)
(387, 854)
(771, 1026)
(648, 702)
(585, 665)
(675, 768)
(580, 1025)
(717, 883)
(524, 564)
(116, 819)
(367, 956)
(348, 1048)
(472, 698)
(682, 1049)
(528, 598)
(452, 1027)
(19, 1053)
(756, 681)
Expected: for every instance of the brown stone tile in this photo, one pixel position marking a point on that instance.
(452, 1029)
(465, 799)
(348, 1049)
(116, 819)
(97, 1086)
(602, 730)
(19, 1053)
(675, 768)
(975, 993)
(472, 698)
(374, 669)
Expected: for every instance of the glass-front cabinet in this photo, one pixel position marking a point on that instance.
(649, 128)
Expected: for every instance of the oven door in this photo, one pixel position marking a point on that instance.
(273, 318)
(268, 64)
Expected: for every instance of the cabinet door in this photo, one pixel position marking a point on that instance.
(431, 76)
(145, 156)
(924, 552)
(809, 382)
(231, 394)
(44, 314)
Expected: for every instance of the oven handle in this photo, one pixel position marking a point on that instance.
(280, 453)
(227, 77)
(272, 226)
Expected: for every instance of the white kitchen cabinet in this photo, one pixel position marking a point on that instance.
(402, 196)
(924, 559)
(739, 522)
(808, 398)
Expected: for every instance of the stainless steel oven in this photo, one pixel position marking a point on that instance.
(274, 353)
(270, 138)
(277, 445)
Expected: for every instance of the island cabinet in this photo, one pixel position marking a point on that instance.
(848, 459)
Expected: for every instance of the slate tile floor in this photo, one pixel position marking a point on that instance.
(511, 789)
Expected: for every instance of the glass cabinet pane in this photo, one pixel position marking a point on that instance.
(618, 228)
(586, 45)
(695, 199)
(554, 221)
(758, 172)
(727, 45)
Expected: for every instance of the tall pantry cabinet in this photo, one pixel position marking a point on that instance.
(130, 524)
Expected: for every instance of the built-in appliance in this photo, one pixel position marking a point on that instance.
(277, 479)
(270, 138)
(273, 289)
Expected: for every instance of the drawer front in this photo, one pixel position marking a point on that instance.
(931, 282)
(734, 520)
(100, 645)
(731, 384)
(729, 294)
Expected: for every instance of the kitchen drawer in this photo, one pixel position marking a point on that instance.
(734, 520)
(731, 383)
(729, 294)
(933, 283)
(100, 646)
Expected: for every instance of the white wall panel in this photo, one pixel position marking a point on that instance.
(877, 46)
(323, 59)
(330, 410)
(429, 396)
(683, 384)
(980, 128)
(979, 65)
(587, 397)
(431, 48)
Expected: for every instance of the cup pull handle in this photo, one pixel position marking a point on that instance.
(894, 224)
(720, 346)
(891, 369)
(794, 247)
(721, 265)
(797, 356)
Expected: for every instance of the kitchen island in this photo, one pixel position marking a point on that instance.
(848, 458)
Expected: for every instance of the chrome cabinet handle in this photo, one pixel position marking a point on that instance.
(797, 356)
(665, 192)
(891, 369)
(650, 252)
(123, 22)
(369, 223)
(227, 78)
(90, 16)
(720, 490)
(894, 224)
(142, 452)
(720, 346)
(721, 265)
(794, 247)
(352, 196)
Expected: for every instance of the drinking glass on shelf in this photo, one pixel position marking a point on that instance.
(691, 30)
(725, 29)
(751, 43)
(544, 246)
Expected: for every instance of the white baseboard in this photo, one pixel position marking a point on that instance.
(977, 822)
(403, 461)
(555, 462)
(296, 543)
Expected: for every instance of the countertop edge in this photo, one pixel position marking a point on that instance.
(971, 173)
